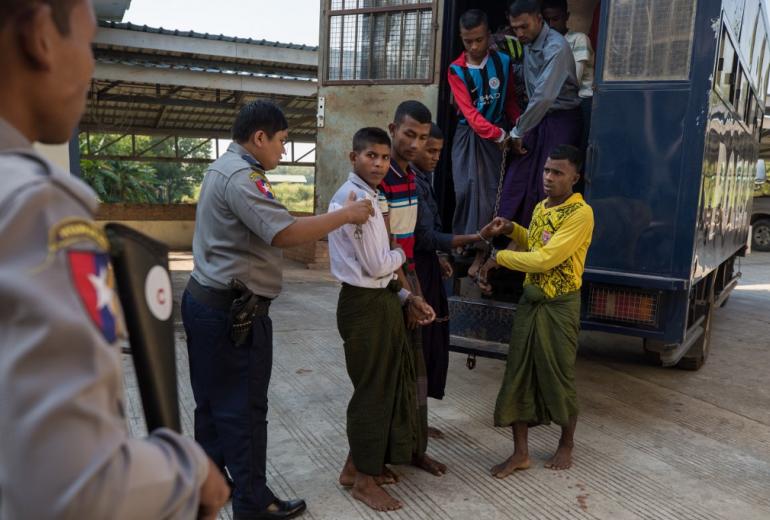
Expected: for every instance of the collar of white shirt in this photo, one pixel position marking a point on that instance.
(360, 183)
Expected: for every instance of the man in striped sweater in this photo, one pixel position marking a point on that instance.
(409, 132)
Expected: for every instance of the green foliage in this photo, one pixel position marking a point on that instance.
(296, 197)
(169, 182)
(143, 182)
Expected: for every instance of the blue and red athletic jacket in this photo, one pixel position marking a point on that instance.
(484, 96)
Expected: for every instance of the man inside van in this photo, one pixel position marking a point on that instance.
(481, 84)
(553, 113)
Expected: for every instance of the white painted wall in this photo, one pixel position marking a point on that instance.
(58, 154)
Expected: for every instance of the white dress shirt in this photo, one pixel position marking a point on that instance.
(360, 255)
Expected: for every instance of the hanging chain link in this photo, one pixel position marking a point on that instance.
(502, 177)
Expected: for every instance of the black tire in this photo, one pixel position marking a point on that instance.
(699, 352)
(760, 235)
(651, 353)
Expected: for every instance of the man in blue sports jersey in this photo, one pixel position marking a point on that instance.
(482, 87)
(480, 80)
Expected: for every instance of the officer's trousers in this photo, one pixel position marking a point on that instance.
(230, 388)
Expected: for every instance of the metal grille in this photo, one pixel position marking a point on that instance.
(650, 40)
(380, 41)
(625, 305)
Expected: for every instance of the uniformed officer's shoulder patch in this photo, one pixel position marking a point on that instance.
(258, 176)
(94, 282)
(86, 250)
(70, 231)
(262, 183)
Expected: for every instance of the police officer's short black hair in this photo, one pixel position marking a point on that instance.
(16, 10)
(555, 4)
(520, 7)
(368, 136)
(258, 115)
(435, 132)
(413, 109)
(473, 18)
(569, 153)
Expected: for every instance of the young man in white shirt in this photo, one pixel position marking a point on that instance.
(381, 416)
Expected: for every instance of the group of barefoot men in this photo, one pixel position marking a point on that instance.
(392, 309)
(62, 423)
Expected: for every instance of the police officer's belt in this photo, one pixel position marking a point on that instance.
(222, 299)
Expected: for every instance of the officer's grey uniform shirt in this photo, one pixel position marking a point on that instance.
(65, 451)
(234, 226)
(550, 77)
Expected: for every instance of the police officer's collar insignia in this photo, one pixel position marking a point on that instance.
(252, 162)
(94, 282)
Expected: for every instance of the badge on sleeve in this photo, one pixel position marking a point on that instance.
(95, 284)
(263, 185)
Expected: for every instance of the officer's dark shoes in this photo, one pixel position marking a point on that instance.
(278, 510)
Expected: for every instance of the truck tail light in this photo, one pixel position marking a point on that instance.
(626, 305)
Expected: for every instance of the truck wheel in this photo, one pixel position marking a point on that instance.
(652, 350)
(699, 352)
(760, 235)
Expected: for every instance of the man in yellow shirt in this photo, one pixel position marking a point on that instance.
(539, 382)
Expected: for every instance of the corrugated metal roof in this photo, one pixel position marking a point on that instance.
(213, 70)
(206, 36)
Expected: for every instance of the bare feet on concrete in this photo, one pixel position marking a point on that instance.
(349, 472)
(433, 467)
(367, 491)
(562, 459)
(435, 433)
(516, 462)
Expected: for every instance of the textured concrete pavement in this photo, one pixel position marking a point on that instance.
(652, 443)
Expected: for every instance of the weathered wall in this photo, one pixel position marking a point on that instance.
(174, 224)
(349, 108)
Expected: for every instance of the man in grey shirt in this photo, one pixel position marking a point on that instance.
(65, 451)
(552, 116)
(240, 229)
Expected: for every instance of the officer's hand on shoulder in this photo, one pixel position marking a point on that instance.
(358, 211)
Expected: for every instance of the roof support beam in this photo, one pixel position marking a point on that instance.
(187, 78)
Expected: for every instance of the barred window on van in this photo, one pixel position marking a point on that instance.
(380, 41)
(650, 40)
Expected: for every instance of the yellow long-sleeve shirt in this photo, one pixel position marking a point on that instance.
(554, 247)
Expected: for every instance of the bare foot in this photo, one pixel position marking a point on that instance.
(433, 467)
(368, 492)
(562, 459)
(435, 433)
(388, 477)
(473, 270)
(349, 472)
(513, 463)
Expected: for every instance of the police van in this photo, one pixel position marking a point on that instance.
(671, 159)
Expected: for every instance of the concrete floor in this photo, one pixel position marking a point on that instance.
(652, 443)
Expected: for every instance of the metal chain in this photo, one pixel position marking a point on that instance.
(502, 177)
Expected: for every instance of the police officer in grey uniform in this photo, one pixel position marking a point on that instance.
(65, 451)
(240, 229)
